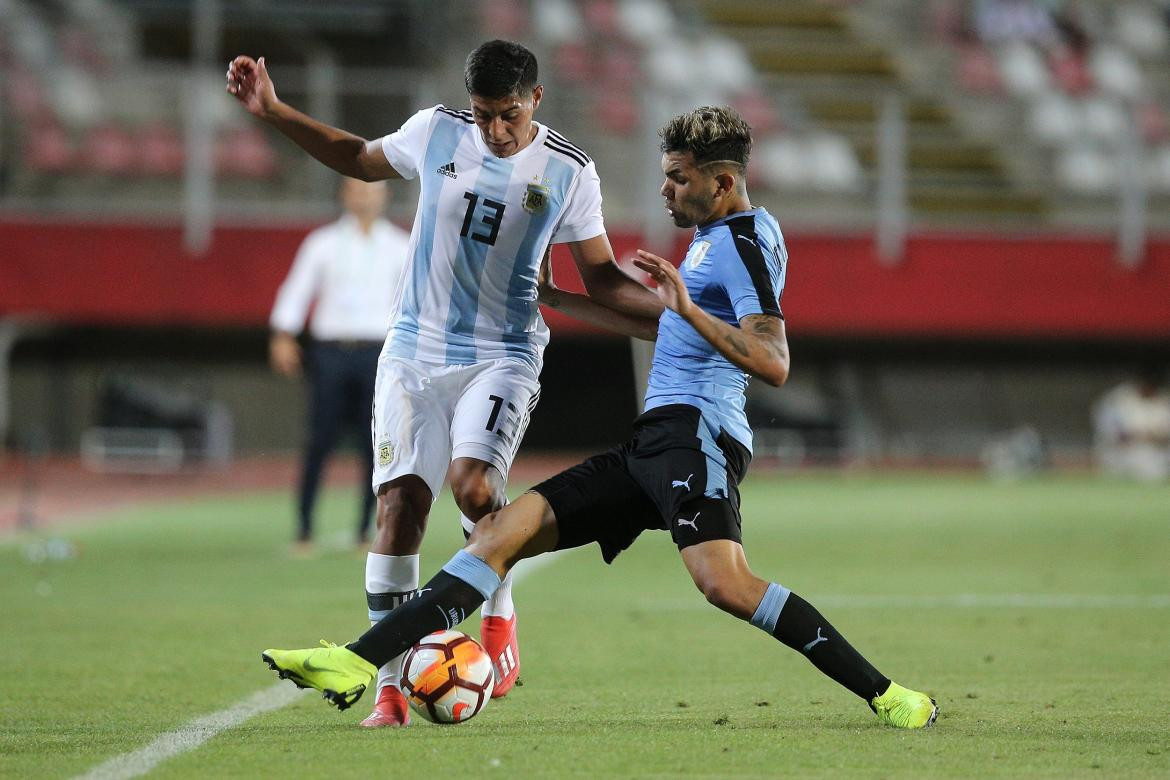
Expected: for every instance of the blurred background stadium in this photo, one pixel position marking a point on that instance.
(976, 196)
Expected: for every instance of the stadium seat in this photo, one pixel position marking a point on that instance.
(161, 150)
(785, 164)
(1054, 118)
(757, 109)
(574, 62)
(245, 152)
(48, 148)
(1103, 119)
(617, 114)
(644, 20)
(1023, 70)
(978, 72)
(1152, 122)
(505, 19)
(601, 16)
(557, 22)
(834, 165)
(109, 150)
(1086, 170)
(1140, 29)
(1116, 72)
(1069, 71)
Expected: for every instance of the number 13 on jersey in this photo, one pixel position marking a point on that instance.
(490, 213)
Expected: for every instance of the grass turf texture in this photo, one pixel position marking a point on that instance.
(627, 672)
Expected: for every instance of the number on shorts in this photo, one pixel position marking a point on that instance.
(511, 419)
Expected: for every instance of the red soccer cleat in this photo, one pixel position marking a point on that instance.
(390, 709)
(499, 640)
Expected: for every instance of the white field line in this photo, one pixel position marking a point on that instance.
(193, 734)
(953, 601)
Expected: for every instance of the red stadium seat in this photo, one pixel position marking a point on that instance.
(757, 109)
(617, 113)
(505, 19)
(109, 150)
(246, 153)
(978, 71)
(601, 16)
(161, 151)
(1069, 72)
(574, 63)
(48, 148)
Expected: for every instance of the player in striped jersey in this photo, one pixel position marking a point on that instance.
(458, 375)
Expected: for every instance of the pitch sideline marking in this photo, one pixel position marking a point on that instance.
(962, 601)
(198, 731)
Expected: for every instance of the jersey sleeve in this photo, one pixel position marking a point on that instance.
(582, 216)
(406, 146)
(301, 285)
(753, 275)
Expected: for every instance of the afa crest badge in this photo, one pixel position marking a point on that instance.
(535, 199)
(385, 452)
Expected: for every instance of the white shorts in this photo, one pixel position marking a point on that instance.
(425, 416)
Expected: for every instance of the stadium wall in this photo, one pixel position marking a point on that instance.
(968, 336)
(946, 286)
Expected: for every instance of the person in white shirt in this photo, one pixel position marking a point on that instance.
(458, 376)
(350, 272)
(1131, 427)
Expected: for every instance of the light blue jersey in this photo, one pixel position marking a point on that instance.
(481, 229)
(734, 268)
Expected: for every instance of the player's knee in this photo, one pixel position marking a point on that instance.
(719, 593)
(403, 507)
(475, 497)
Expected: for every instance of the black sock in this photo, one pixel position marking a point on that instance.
(442, 603)
(805, 630)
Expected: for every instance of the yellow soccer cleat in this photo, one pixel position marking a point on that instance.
(339, 673)
(905, 709)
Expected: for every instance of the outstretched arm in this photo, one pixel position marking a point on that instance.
(344, 152)
(584, 308)
(607, 284)
(758, 345)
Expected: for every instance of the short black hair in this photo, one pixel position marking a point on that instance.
(497, 69)
(710, 134)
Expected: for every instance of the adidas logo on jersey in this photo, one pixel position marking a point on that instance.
(448, 170)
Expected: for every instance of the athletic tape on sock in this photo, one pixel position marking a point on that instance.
(768, 612)
(474, 572)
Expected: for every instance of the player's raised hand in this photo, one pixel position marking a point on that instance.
(672, 291)
(248, 80)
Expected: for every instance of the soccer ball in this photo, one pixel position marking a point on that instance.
(447, 677)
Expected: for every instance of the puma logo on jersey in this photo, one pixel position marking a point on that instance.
(747, 238)
(448, 170)
(682, 483)
(693, 522)
(816, 641)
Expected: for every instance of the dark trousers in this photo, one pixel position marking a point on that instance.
(341, 398)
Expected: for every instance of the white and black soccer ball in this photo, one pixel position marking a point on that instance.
(447, 677)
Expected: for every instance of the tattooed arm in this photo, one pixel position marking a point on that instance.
(758, 345)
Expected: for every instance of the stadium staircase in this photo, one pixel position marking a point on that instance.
(840, 69)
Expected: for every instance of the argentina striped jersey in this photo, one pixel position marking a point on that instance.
(482, 226)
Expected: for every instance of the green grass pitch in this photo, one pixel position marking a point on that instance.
(1036, 612)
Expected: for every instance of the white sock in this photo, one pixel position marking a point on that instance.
(390, 580)
(500, 604)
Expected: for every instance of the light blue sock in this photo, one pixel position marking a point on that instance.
(474, 572)
(768, 612)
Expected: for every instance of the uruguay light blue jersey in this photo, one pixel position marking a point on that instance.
(734, 268)
(481, 229)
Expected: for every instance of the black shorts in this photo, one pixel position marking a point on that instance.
(662, 479)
